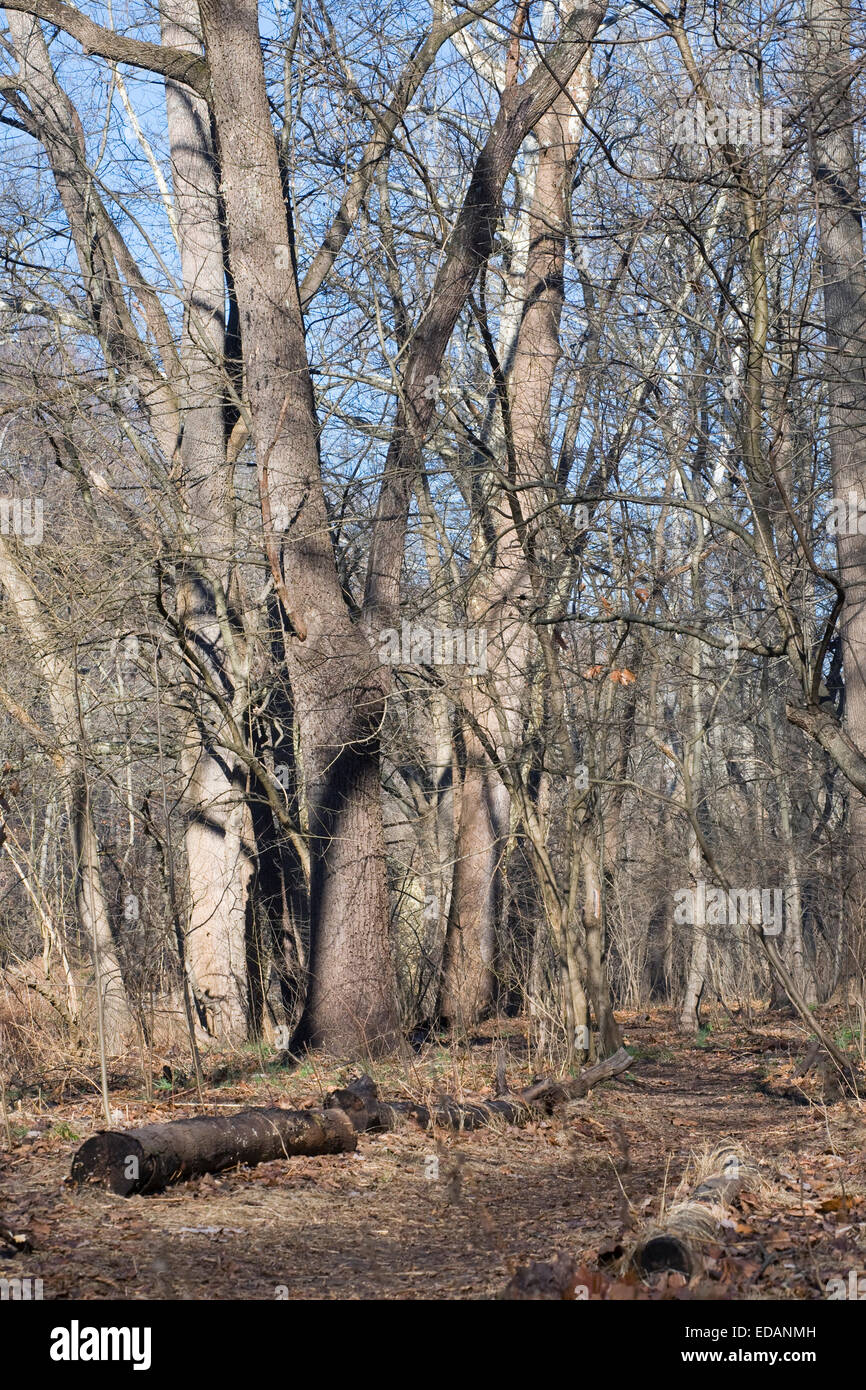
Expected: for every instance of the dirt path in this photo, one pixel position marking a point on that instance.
(417, 1216)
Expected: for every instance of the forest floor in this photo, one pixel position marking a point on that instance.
(415, 1215)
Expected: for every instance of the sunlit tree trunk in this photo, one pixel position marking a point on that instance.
(337, 688)
(218, 825)
(504, 589)
(835, 173)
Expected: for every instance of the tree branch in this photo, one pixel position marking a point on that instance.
(188, 68)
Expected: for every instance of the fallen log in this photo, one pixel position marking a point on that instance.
(360, 1101)
(552, 1093)
(676, 1243)
(148, 1159)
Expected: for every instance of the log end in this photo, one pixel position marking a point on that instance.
(360, 1101)
(112, 1160)
(664, 1252)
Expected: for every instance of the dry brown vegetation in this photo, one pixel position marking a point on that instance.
(380, 1223)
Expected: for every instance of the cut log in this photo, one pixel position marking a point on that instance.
(676, 1243)
(360, 1101)
(150, 1158)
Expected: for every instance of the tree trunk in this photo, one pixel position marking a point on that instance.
(470, 945)
(528, 355)
(218, 828)
(337, 688)
(92, 911)
(361, 1103)
(698, 950)
(469, 978)
(692, 774)
(598, 982)
(835, 173)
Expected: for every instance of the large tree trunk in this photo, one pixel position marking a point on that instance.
(470, 944)
(698, 947)
(338, 690)
(218, 828)
(835, 171)
(529, 355)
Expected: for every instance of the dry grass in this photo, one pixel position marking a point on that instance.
(444, 1215)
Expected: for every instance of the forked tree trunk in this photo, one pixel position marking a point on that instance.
(471, 243)
(338, 689)
(504, 588)
(182, 396)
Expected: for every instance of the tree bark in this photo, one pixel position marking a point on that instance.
(218, 831)
(835, 173)
(338, 690)
(468, 978)
(504, 586)
(598, 981)
(361, 1103)
(139, 1161)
